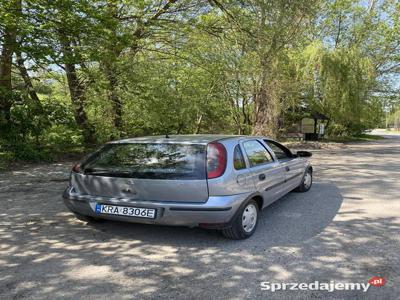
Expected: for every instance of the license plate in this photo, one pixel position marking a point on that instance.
(128, 211)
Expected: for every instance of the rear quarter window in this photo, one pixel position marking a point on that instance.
(238, 159)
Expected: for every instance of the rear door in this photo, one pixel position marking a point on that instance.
(146, 171)
(268, 175)
(293, 166)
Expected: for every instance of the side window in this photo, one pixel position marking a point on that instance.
(256, 153)
(280, 151)
(238, 159)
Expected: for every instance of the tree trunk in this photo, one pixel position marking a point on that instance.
(198, 124)
(27, 80)
(113, 97)
(9, 40)
(77, 91)
(266, 119)
(78, 101)
(266, 116)
(114, 50)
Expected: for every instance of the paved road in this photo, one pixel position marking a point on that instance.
(346, 228)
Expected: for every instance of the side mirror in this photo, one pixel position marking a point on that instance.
(303, 154)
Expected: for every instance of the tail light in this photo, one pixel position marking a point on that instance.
(77, 168)
(216, 160)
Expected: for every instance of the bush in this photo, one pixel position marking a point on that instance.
(336, 130)
(6, 157)
(30, 152)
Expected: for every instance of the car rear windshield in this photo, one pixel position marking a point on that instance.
(146, 160)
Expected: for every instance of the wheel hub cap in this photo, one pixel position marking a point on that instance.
(307, 180)
(249, 217)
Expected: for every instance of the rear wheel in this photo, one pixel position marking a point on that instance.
(245, 222)
(306, 183)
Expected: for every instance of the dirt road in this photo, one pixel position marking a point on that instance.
(345, 229)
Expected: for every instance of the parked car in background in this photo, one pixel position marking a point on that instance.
(211, 181)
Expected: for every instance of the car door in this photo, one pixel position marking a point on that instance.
(267, 174)
(293, 166)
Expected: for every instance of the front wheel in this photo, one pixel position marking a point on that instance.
(245, 222)
(306, 183)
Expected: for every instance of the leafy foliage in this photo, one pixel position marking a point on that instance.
(81, 72)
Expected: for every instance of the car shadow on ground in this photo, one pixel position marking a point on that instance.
(292, 219)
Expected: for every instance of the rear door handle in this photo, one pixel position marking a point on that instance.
(261, 177)
(287, 169)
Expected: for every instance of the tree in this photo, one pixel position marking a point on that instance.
(266, 29)
(123, 32)
(109, 69)
(10, 15)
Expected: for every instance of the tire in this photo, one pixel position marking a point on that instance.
(306, 182)
(87, 219)
(238, 231)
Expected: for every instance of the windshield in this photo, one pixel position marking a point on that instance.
(153, 161)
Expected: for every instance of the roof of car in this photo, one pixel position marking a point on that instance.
(190, 138)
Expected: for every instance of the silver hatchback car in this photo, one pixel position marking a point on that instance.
(211, 181)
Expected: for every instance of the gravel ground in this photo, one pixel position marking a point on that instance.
(346, 229)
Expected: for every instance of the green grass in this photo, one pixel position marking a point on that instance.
(392, 131)
(356, 138)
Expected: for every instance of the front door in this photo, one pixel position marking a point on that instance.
(293, 166)
(268, 175)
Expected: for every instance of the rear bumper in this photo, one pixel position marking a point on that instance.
(217, 211)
